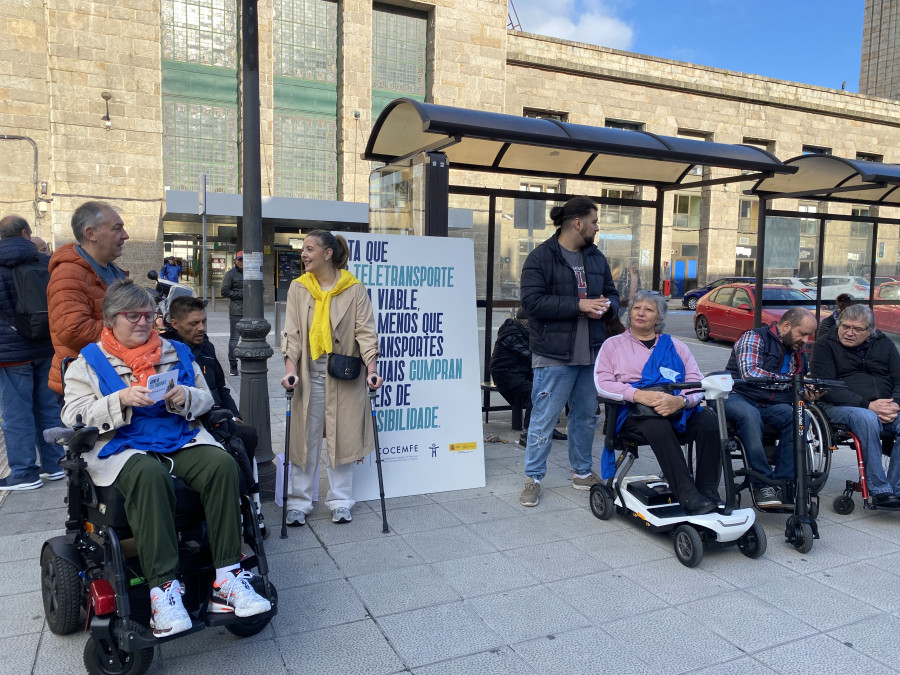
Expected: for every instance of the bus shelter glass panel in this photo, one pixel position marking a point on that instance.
(886, 284)
(397, 199)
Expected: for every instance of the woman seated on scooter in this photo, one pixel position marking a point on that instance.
(641, 357)
(143, 440)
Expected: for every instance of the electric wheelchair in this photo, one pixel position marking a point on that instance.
(91, 577)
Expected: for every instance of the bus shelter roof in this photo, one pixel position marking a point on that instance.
(484, 141)
(830, 178)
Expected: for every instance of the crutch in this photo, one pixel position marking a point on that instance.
(288, 394)
(385, 528)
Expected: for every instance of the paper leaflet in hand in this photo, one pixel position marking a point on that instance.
(161, 383)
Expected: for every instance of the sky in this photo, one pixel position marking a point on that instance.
(812, 41)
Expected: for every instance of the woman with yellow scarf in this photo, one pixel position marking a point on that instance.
(328, 312)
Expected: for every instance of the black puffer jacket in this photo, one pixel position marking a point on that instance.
(511, 356)
(13, 347)
(205, 356)
(550, 298)
(869, 376)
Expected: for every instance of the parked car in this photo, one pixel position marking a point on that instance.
(887, 317)
(727, 312)
(833, 285)
(794, 282)
(691, 297)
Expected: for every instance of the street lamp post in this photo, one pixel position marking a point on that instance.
(253, 350)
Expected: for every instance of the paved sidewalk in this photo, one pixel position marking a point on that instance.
(471, 582)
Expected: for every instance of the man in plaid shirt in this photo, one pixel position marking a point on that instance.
(768, 351)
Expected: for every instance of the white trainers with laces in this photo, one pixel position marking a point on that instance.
(237, 595)
(168, 615)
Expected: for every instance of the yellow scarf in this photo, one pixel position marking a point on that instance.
(320, 331)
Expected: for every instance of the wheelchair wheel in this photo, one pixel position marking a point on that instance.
(96, 655)
(843, 505)
(688, 546)
(251, 626)
(803, 537)
(61, 592)
(753, 543)
(602, 502)
(818, 443)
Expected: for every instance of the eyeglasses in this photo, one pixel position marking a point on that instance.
(135, 317)
(853, 329)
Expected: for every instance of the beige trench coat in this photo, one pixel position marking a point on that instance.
(348, 421)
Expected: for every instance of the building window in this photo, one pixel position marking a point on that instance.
(696, 170)
(760, 143)
(199, 138)
(815, 150)
(867, 157)
(305, 40)
(399, 59)
(687, 212)
(199, 94)
(748, 216)
(809, 226)
(860, 230)
(200, 31)
(622, 124)
(305, 157)
(611, 214)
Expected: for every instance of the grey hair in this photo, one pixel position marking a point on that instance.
(89, 214)
(857, 312)
(661, 307)
(124, 296)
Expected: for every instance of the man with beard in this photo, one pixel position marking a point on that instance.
(769, 351)
(567, 288)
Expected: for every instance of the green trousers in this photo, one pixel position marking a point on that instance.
(150, 506)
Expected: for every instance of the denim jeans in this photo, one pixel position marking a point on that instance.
(748, 418)
(867, 427)
(28, 406)
(233, 337)
(554, 386)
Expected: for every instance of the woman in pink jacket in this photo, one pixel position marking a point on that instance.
(643, 356)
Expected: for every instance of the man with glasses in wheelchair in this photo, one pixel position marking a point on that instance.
(768, 351)
(143, 440)
(869, 364)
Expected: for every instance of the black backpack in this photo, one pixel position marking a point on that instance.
(30, 280)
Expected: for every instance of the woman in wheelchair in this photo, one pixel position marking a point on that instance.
(143, 440)
(644, 357)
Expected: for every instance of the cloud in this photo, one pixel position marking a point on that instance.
(564, 19)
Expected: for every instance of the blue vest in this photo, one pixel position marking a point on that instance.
(152, 429)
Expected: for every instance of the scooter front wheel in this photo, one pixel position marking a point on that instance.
(688, 546)
(753, 542)
(602, 502)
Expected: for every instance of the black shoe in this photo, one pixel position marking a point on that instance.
(560, 436)
(712, 494)
(886, 500)
(523, 439)
(697, 505)
(234, 371)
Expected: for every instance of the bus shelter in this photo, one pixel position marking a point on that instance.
(856, 253)
(456, 172)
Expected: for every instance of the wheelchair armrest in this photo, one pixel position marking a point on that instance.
(216, 416)
(78, 440)
(611, 412)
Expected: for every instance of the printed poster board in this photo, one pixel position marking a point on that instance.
(428, 411)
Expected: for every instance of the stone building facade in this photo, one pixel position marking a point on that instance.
(171, 68)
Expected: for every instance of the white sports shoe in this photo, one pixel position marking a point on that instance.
(237, 595)
(168, 613)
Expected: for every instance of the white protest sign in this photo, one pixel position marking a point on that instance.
(428, 411)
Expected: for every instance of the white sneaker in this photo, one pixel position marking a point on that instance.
(168, 613)
(341, 515)
(237, 595)
(295, 518)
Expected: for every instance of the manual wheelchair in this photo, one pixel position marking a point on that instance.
(91, 576)
(841, 435)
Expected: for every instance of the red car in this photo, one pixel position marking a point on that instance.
(727, 312)
(887, 317)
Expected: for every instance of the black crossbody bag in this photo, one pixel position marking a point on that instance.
(343, 367)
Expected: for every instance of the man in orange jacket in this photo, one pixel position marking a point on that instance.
(80, 273)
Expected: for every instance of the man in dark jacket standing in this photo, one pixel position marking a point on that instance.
(567, 288)
(869, 364)
(27, 405)
(233, 289)
(768, 351)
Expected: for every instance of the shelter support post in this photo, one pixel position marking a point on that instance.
(657, 241)
(437, 190)
(489, 296)
(873, 264)
(760, 258)
(820, 267)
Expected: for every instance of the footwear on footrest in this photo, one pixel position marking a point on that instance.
(168, 615)
(886, 500)
(697, 505)
(767, 498)
(237, 595)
